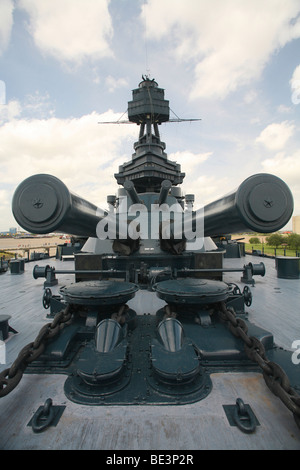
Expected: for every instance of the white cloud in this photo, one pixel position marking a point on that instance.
(276, 135)
(4, 201)
(9, 111)
(228, 42)
(296, 75)
(295, 86)
(287, 167)
(82, 153)
(6, 23)
(189, 160)
(70, 31)
(2, 92)
(34, 106)
(282, 108)
(38, 106)
(114, 83)
(250, 96)
(205, 188)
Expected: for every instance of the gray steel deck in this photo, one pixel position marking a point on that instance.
(201, 425)
(276, 302)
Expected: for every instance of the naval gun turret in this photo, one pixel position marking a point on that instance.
(262, 203)
(145, 225)
(150, 245)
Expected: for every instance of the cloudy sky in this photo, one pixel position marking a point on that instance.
(67, 64)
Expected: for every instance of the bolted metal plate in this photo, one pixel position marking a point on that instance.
(99, 292)
(192, 291)
(136, 384)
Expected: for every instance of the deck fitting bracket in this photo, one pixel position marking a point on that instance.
(242, 416)
(45, 416)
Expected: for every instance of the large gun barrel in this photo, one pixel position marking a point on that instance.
(43, 204)
(262, 203)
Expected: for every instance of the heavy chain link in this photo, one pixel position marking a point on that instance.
(275, 377)
(9, 378)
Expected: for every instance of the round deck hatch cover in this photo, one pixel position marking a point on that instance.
(99, 292)
(192, 291)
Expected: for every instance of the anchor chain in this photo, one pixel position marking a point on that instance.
(9, 378)
(274, 376)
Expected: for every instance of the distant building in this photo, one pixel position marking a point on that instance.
(296, 224)
(12, 231)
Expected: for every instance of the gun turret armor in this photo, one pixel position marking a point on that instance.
(43, 204)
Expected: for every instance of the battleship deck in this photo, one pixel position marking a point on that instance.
(201, 425)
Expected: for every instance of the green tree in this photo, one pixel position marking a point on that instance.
(254, 240)
(293, 241)
(275, 239)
